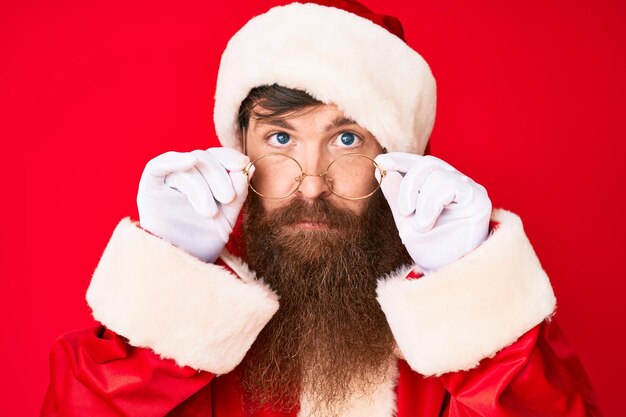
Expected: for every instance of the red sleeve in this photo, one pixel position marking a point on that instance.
(538, 375)
(96, 373)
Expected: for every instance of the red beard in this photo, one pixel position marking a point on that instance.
(329, 334)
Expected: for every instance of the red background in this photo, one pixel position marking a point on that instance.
(531, 105)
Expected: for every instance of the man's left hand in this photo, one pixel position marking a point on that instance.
(440, 213)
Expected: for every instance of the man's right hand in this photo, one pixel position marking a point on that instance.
(193, 199)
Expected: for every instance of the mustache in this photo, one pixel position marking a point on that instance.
(317, 211)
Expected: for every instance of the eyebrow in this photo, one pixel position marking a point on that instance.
(338, 122)
(276, 122)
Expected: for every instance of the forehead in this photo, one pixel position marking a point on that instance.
(319, 117)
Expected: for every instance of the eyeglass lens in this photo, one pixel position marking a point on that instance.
(350, 176)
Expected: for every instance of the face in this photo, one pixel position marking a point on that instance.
(316, 250)
(314, 137)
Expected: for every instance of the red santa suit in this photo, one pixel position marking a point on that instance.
(475, 338)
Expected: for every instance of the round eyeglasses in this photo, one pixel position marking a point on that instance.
(351, 176)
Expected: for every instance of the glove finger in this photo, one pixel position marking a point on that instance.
(194, 187)
(440, 191)
(170, 162)
(397, 161)
(417, 168)
(215, 176)
(412, 184)
(240, 185)
(222, 226)
(249, 171)
(390, 187)
(229, 158)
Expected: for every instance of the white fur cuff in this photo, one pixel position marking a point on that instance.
(160, 297)
(452, 318)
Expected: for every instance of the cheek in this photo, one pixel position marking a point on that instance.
(275, 177)
(357, 206)
(271, 205)
(353, 176)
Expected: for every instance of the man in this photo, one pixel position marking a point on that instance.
(318, 264)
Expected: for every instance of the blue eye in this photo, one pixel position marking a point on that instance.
(347, 138)
(280, 138)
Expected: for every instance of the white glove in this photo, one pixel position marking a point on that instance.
(192, 200)
(440, 213)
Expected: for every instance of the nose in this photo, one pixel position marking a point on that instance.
(313, 185)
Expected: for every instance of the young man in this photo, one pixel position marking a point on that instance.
(318, 264)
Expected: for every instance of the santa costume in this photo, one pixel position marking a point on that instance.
(474, 338)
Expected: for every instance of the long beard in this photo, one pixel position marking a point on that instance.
(329, 336)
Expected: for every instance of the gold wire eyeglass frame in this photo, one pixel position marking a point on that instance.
(300, 178)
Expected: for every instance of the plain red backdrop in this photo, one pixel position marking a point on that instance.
(531, 105)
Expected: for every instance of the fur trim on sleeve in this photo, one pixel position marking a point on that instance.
(158, 296)
(450, 319)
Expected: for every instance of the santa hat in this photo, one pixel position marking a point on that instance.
(339, 52)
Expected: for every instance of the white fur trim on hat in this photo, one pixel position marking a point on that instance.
(337, 57)
(452, 318)
(158, 296)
